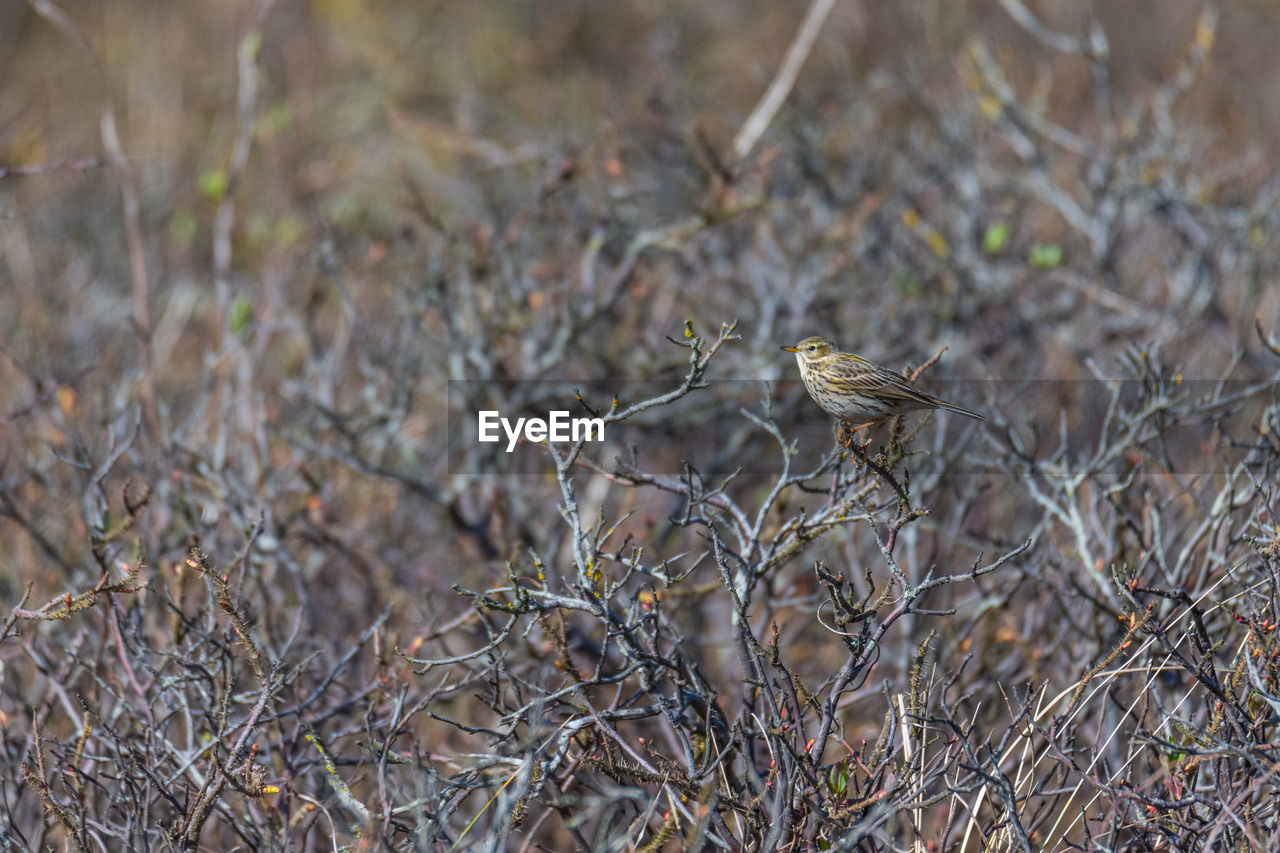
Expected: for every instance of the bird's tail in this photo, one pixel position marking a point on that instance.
(959, 410)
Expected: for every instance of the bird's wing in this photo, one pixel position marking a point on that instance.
(864, 376)
(896, 387)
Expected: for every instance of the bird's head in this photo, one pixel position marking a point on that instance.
(812, 349)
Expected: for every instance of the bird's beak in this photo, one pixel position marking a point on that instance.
(792, 349)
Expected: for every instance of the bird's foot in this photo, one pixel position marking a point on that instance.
(847, 438)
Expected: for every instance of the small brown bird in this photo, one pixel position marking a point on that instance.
(859, 392)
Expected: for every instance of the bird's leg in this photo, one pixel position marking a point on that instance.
(846, 437)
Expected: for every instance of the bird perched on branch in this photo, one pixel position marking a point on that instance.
(857, 391)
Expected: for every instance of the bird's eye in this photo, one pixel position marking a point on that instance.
(812, 348)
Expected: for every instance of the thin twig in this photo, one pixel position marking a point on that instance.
(771, 102)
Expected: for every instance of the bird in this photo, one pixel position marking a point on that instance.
(857, 391)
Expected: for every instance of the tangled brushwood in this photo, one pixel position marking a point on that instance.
(264, 588)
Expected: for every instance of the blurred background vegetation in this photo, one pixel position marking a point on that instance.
(234, 326)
